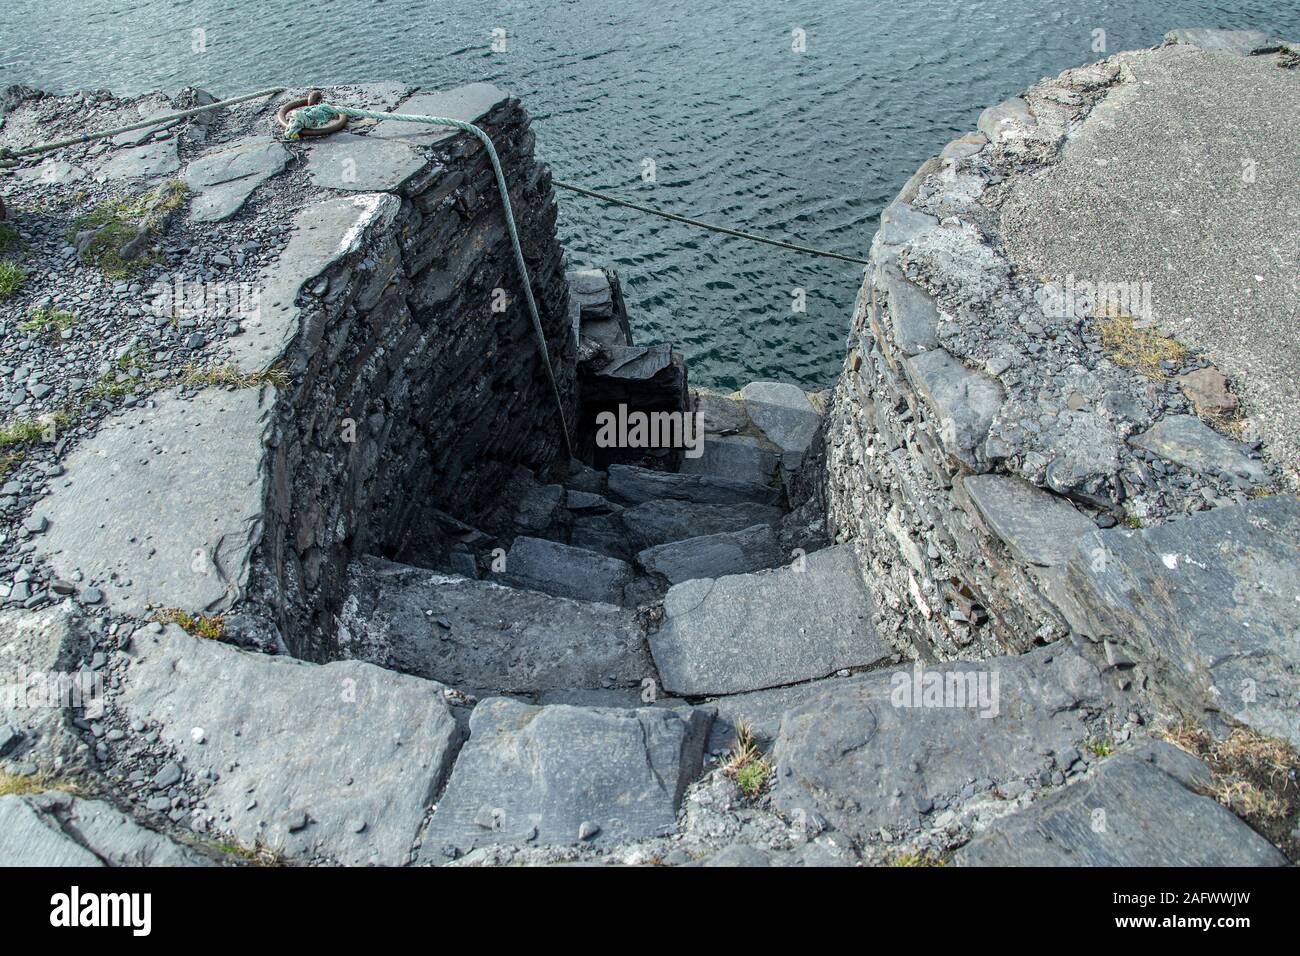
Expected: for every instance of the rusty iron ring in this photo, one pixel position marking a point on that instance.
(311, 99)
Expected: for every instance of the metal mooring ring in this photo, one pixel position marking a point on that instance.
(311, 99)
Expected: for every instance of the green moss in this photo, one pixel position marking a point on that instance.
(119, 222)
(10, 241)
(199, 625)
(229, 376)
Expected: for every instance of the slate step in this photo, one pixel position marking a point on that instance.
(866, 752)
(713, 555)
(482, 637)
(560, 774)
(59, 829)
(566, 571)
(748, 631)
(659, 522)
(635, 486)
(1144, 808)
(332, 760)
(738, 457)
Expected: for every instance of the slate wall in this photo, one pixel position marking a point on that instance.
(411, 400)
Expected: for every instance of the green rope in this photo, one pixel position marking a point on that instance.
(313, 117)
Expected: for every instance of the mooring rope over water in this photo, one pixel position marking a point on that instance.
(724, 230)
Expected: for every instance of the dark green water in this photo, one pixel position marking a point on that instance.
(742, 130)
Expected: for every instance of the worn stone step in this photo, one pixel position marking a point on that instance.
(659, 522)
(58, 829)
(713, 555)
(566, 571)
(878, 750)
(636, 486)
(339, 760)
(482, 637)
(562, 775)
(748, 631)
(738, 457)
(1144, 808)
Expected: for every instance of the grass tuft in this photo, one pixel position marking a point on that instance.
(746, 764)
(12, 277)
(229, 376)
(40, 320)
(258, 855)
(916, 859)
(1139, 349)
(1101, 747)
(12, 785)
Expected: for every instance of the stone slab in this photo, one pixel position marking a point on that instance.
(1128, 812)
(749, 631)
(912, 313)
(849, 753)
(566, 571)
(154, 159)
(640, 485)
(720, 414)
(785, 415)
(49, 643)
(468, 104)
(1211, 601)
(362, 163)
(964, 402)
(714, 555)
(1235, 42)
(1188, 441)
(58, 829)
(740, 457)
(477, 635)
(223, 180)
(338, 760)
(1037, 526)
(659, 522)
(538, 774)
(163, 506)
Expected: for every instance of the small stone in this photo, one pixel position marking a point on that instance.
(170, 774)
(587, 830)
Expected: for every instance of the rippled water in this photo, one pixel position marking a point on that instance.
(742, 129)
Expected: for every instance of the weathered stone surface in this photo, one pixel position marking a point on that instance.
(658, 522)
(362, 163)
(566, 571)
(47, 643)
(468, 104)
(963, 400)
(1001, 121)
(714, 555)
(223, 180)
(52, 172)
(164, 506)
(1210, 601)
(848, 753)
(324, 233)
(640, 485)
(1237, 42)
(1037, 526)
(1128, 812)
(58, 829)
(355, 751)
(542, 773)
(155, 159)
(1187, 440)
(739, 457)
(912, 313)
(720, 414)
(747, 631)
(784, 414)
(596, 308)
(478, 635)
